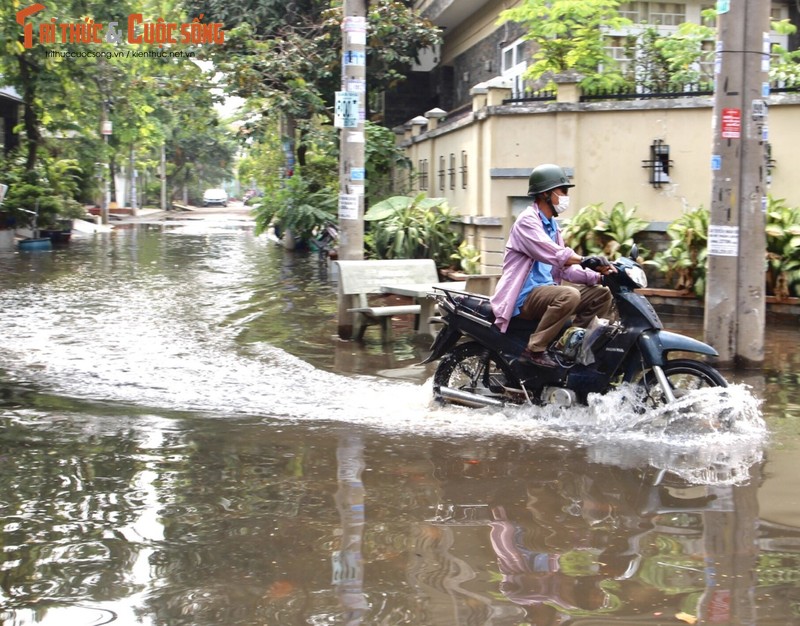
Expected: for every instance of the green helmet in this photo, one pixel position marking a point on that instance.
(546, 177)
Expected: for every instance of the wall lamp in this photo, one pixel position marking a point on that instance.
(659, 163)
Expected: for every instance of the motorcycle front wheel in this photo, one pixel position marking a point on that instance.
(684, 376)
(475, 369)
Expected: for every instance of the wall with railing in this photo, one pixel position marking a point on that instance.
(649, 150)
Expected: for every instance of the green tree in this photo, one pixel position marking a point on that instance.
(663, 62)
(385, 164)
(570, 37)
(785, 65)
(687, 53)
(150, 101)
(290, 58)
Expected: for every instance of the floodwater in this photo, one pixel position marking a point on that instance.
(185, 442)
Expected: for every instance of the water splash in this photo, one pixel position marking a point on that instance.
(161, 335)
(709, 436)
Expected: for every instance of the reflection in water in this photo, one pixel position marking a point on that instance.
(348, 566)
(183, 442)
(573, 539)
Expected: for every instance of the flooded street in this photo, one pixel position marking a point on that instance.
(185, 442)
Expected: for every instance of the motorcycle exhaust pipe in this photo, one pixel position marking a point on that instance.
(469, 399)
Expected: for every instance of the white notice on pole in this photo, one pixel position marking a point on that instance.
(723, 240)
(355, 28)
(346, 113)
(348, 206)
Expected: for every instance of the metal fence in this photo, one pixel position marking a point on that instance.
(642, 93)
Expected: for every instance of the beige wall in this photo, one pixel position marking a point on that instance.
(604, 143)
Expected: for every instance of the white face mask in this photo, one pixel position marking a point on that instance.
(563, 205)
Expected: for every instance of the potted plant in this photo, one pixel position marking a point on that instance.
(64, 176)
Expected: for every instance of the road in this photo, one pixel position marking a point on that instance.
(234, 211)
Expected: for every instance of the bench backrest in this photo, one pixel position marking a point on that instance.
(483, 284)
(360, 277)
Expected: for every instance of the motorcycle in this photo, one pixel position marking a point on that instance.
(326, 240)
(479, 367)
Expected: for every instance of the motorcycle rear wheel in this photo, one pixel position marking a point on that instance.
(474, 368)
(684, 376)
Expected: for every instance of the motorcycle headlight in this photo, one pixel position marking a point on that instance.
(637, 275)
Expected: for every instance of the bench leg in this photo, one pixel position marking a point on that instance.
(427, 309)
(386, 329)
(385, 322)
(362, 323)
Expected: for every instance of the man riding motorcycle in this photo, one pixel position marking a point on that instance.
(536, 263)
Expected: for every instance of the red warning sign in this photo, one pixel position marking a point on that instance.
(731, 123)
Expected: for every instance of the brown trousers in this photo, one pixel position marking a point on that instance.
(555, 304)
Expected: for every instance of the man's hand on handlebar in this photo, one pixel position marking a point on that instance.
(599, 264)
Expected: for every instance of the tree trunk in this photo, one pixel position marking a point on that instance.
(30, 118)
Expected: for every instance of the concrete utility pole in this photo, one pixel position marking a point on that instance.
(106, 128)
(163, 176)
(735, 286)
(133, 177)
(349, 117)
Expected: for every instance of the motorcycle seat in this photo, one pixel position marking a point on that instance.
(482, 308)
(476, 306)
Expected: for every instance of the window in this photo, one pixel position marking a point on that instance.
(451, 172)
(514, 63)
(423, 174)
(667, 13)
(463, 169)
(656, 13)
(442, 173)
(620, 49)
(634, 11)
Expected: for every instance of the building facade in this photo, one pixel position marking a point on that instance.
(479, 151)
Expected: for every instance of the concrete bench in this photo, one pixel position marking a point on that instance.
(360, 279)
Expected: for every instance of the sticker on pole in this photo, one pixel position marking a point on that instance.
(348, 206)
(759, 109)
(357, 58)
(731, 123)
(723, 240)
(346, 112)
(355, 28)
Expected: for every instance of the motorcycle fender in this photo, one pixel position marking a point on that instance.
(655, 344)
(446, 338)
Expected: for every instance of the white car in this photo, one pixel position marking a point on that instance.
(215, 196)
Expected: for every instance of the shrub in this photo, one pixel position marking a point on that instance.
(28, 194)
(402, 227)
(783, 249)
(300, 206)
(593, 231)
(385, 163)
(684, 261)
(468, 258)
